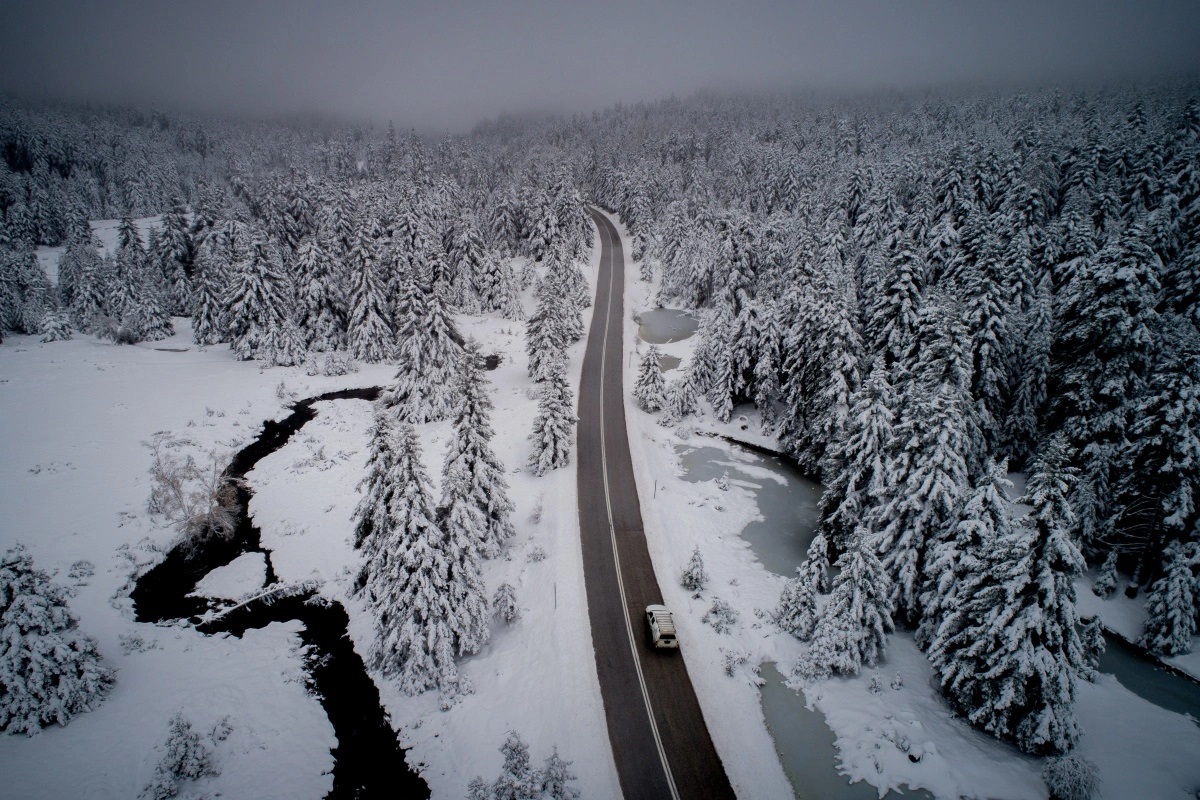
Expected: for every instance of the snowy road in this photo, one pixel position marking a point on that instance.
(659, 738)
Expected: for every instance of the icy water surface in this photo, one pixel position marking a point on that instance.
(806, 746)
(1144, 677)
(787, 501)
(667, 363)
(787, 507)
(662, 325)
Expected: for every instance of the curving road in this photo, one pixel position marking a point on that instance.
(659, 739)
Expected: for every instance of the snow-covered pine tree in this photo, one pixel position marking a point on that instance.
(1091, 639)
(257, 303)
(319, 315)
(545, 338)
(1012, 649)
(797, 611)
(681, 396)
(892, 325)
(208, 292)
(1157, 493)
(926, 478)
(428, 349)
(694, 578)
(372, 515)
(1172, 602)
(56, 326)
(473, 477)
(49, 670)
(554, 425)
(173, 253)
(1027, 381)
(854, 625)
(650, 389)
(138, 296)
(863, 455)
(952, 561)
(1102, 360)
(185, 758)
(408, 585)
(369, 334)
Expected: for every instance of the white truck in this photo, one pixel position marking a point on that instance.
(661, 626)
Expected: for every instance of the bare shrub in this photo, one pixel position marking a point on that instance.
(197, 499)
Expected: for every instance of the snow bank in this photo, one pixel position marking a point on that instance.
(238, 578)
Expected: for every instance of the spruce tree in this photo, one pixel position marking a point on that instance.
(797, 610)
(474, 491)
(952, 562)
(854, 625)
(368, 332)
(926, 478)
(208, 299)
(258, 303)
(545, 338)
(1010, 652)
(49, 670)
(1172, 603)
(319, 308)
(554, 425)
(863, 455)
(427, 354)
(372, 515)
(408, 583)
(650, 389)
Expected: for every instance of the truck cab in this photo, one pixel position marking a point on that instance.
(661, 627)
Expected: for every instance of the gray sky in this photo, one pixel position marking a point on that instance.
(437, 65)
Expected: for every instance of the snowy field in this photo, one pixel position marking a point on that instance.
(74, 485)
(1143, 750)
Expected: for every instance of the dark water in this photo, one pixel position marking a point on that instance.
(368, 760)
(1143, 675)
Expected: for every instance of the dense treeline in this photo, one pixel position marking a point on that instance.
(919, 294)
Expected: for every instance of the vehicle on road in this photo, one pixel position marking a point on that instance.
(662, 627)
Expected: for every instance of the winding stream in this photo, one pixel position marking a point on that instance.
(368, 760)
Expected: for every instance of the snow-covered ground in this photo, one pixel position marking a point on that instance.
(73, 487)
(1142, 749)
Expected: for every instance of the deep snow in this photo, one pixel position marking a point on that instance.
(74, 484)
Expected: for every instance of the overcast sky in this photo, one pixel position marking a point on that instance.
(446, 65)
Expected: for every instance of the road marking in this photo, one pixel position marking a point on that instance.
(637, 661)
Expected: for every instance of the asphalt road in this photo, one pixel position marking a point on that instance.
(658, 734)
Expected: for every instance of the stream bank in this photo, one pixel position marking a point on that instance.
(368, 759)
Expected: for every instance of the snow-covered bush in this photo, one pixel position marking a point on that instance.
(1106, 583)
(733, 660)
(520, 781)
(338, 364)
(1071, 777)
(186, 758)
(49, 670)
(694, 578)
(56, 327)
(721, 616)
(504, 603)
(198, 500)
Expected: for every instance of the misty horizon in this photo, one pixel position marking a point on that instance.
(429, 67)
